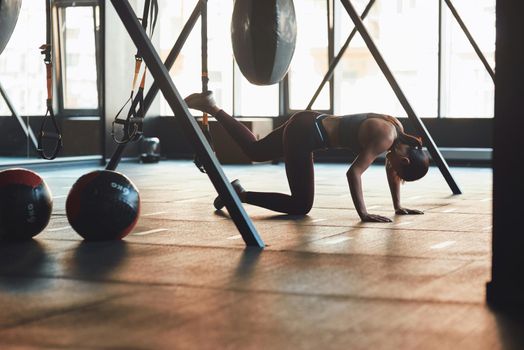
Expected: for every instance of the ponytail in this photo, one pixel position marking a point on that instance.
(409, 140)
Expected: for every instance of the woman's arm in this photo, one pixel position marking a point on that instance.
(354, 177)
(394, 187)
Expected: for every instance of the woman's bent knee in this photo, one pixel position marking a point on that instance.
(301, 208)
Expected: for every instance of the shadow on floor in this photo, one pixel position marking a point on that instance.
(22, 266)
(511, 330)
(96, 260)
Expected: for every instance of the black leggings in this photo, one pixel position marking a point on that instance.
(295, 140)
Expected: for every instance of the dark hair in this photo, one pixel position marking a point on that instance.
(417, 167)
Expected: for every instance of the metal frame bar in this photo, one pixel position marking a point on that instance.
(421, 128)
(470, 38)
(439, 61)
(331, 50)
(153, 90)
(188, 123)
(338, 57)
(101, 45)
(25, 128)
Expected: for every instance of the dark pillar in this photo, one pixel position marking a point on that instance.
(506, 288)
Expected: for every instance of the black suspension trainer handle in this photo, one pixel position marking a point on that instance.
(154, 89)
(132, 124)
(48, 60)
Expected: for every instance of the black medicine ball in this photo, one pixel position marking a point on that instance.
(26, 204)
(103, 205)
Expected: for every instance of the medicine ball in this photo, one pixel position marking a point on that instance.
(103, 205)
(9, 11)
(25, 204)
(263, 35)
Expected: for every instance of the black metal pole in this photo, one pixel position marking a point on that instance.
(421, 128)
(187, 121)
(506, 289)
(338, 57)
(470, 38)
(100, 38)
(203, 22)
(439, 61)
(153, 90)
(26, 128)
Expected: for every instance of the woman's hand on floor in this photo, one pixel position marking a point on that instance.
(406, 211)
(374, 218)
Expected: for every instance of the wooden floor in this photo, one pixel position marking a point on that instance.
(183, 279)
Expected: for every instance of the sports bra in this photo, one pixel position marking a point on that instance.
(348, 127)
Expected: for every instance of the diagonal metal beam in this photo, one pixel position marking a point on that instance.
(421, 128)
(25, 128)
(187, 121)
(470, 38)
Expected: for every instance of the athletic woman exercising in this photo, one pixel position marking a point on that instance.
(368, 135)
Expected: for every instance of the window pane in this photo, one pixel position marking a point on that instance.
(22, 69)
(468, 90)
(406, 34)
(254, 100)
(310, 61)
(79, 50)
(186, 71)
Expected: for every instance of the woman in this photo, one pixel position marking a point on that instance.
(368, 135)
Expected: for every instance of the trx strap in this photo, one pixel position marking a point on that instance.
(133, 123)
(205, 81)
(45, 133)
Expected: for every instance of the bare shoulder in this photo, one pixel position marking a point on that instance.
(387, 118)
(377, 133)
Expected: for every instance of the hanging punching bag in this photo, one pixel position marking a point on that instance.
(263, 34)
(9, 10)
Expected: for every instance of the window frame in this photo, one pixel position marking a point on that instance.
(60, 63)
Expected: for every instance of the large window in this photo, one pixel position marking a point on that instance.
(311, 59)
(22, 70)
(467, 87)
(78, 50)
(406, 33)
(232, 92)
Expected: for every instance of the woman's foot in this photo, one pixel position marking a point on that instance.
(204, 102)
(219, 204)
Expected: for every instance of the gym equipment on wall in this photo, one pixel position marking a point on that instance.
(133, 123)
(53, 134)
(25, 204)
(153, 90)
(191, 128)
(9, 11)
(103, 205)
(263, 34)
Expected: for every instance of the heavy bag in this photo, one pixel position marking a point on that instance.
(9, 11)
(263, 34)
